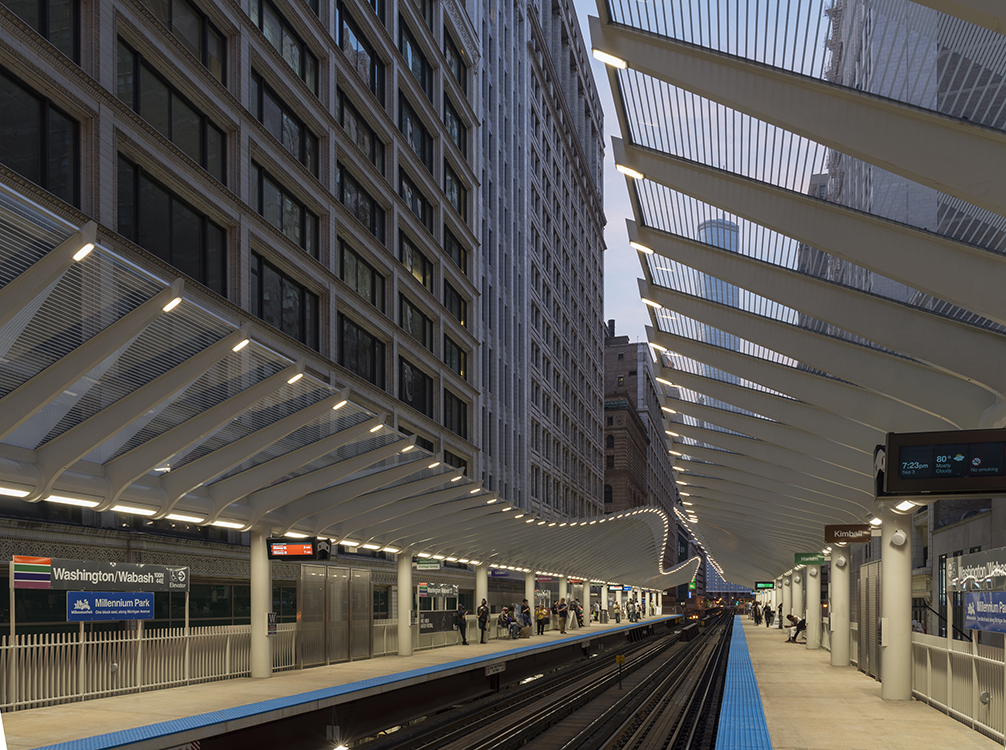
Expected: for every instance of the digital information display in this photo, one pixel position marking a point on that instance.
(287, 549)
(939, 462)
(762, 585)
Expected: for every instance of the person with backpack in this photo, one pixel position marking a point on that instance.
(461, 618)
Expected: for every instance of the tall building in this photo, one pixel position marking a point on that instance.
(541, 274)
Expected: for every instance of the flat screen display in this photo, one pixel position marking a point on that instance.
(291, 549)
(941, 462)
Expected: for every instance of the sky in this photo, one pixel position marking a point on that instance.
(621, 263)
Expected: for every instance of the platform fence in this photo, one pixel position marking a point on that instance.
(49, 668)
(964, 680)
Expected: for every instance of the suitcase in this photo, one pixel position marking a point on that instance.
(525, 632)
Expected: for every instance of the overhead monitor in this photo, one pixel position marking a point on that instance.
(292, 550)
(963, 461)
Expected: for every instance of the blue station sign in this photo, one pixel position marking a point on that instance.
(97, 606)
(985, 610)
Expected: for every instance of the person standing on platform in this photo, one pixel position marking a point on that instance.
(541, 617)
(617, 612)
(462, 619)
(768, 615)
(483, 614)
(525, 613)
(563, 612)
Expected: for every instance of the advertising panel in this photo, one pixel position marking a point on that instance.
(436, 621)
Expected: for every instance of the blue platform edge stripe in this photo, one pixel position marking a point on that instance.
(126, 737)
(742, 719)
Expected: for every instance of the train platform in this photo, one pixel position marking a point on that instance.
(176, 717)
(810, 705)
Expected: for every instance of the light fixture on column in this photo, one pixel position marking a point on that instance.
(812, 572)
(898, 538)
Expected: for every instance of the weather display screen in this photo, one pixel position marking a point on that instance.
(950, 461)
(968, 461)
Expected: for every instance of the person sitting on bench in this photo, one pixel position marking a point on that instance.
(797, 626)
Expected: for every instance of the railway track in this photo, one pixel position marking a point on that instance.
(669, 699)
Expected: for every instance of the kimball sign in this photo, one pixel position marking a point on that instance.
(853, 533)
(89, 575)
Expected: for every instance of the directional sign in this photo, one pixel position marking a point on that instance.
(809, 558)
(764, 585)
(848, 533)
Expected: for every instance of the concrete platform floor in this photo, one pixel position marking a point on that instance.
(64, 723)
(811, 705)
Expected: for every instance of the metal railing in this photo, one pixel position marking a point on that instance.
(49, 668)
(965, 680)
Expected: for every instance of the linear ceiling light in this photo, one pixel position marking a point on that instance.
(615, 62)
(84, 251)
(172, 304)
(629, 172)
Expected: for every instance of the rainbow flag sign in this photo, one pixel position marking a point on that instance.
(32, 572)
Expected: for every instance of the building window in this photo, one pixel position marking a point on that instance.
(609, 462)
(455, 414)
(415, 60)
(418, 203)
(621, 380)
(283, 303)
(609, 442)
(415, 132)
(415, 387)
(361, 133)
(56, 20)
(456, 129)
(195, 31)
(283, 124)
(455, 62)
(455, 250)
(457, 195)
(361, 276)
(415, 323)
(610, 421)
(425, 8)
(455, 357)
(284, 211)
(456, 304)
(165, 225)
(421, 442)
(360, 54)
(169, 113)
(359, 202)
(415, 261)
(608, 494)
(286, 41)
(456, 461)
(360, 352)
(40, 142)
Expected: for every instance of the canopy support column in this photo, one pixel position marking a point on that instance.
(896, 624)
(813, 607)
(405, 602)
(838, 610)
(261, 606)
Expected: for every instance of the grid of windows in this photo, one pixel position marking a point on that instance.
(56, 20)
(455, 414)
(165, 225)
(286, 41)
(361, 352)
(415, 387)
(416, 134)
(360, 53)
(359, 202)
(414, 322)
(418, 203)
(283, 210)
(455, 63)
(144, 91)
(425, 8)
(415, 60)
(196, 33)
(456, 129)
(360, 132)
(283, 124)
(413, 259)
(40, 142)
(283, 303)
(361, 276)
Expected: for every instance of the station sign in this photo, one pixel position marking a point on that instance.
(427, 564)
(808, 558)
(106, 606)
(438, 589)
(499, 573)
(92, 575)
(849, 533)
(985, 610)
(978, 571)
(543, 579)
(764, 585)
(961, 461)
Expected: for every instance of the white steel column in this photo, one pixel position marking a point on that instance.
(618, 599)
(798, 609)
(813, 607)
(564, 588)
(481, 585)
(405, 602)
(660, 602)
(838, 609)
(787, 597)
(896, 606)
(261, 605)
(529, 589)
(586, 602)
